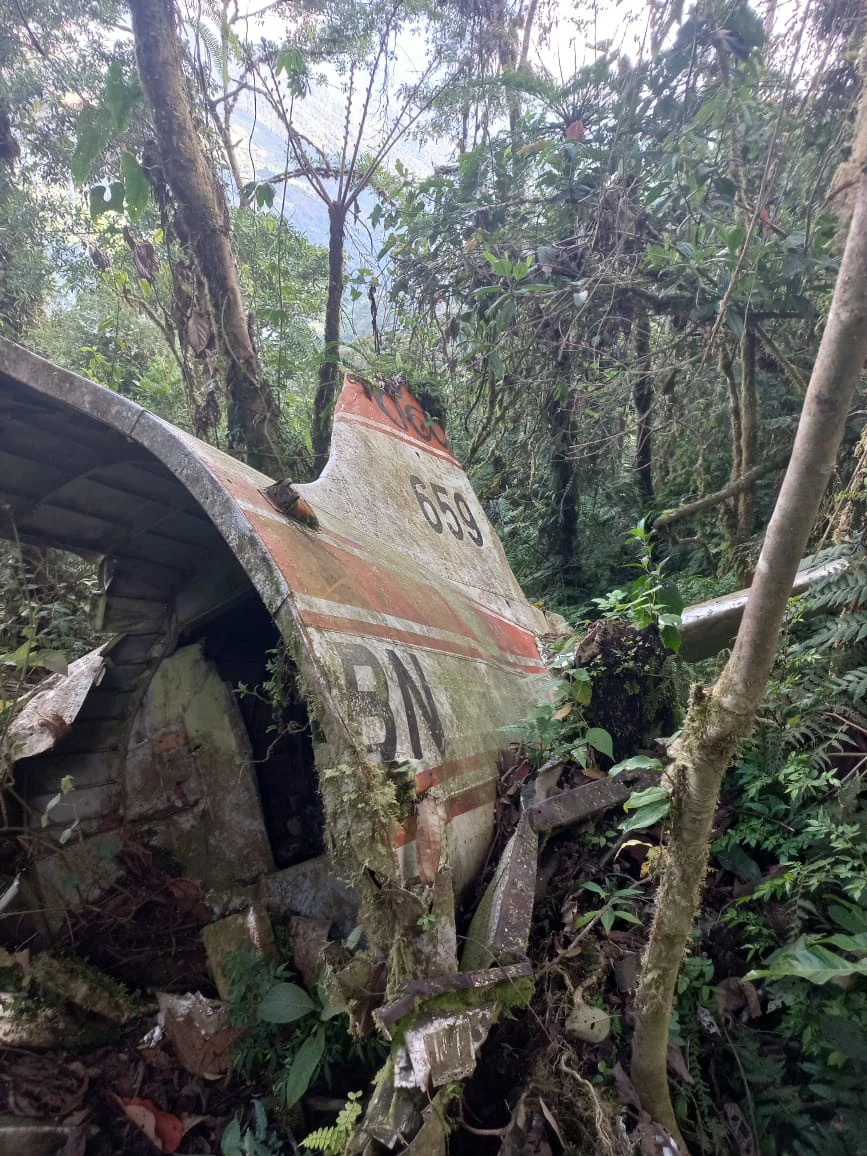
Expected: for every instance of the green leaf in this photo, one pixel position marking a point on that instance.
(814, 963)
(735, 322)
(856, 942)
(93, 130)
(584, 919)
(18, 658)
(304, 1067)
(327, 1011)
(53, 660)
(285, 1003)
(293, 63)
(636, 763)
(645, 797)
(646, 816)
(121, 97)
(627, 916)
(582, 692)
(230, 1145)
(601, 741)
(136, 187)
(671, 639)
(265, 195)
(98, 203)
(607, 919)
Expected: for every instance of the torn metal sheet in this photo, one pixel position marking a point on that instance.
(53, 706)
(567, 807)
(500, 929)
(442, 1048)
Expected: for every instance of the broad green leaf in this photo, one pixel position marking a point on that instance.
(136, 187)
(607, 919)
(304, 1066)
(18, 658)
(600, 740)
(285, 1003)
(646, 816)
(636, 763)
(671, 639)
(645, 798)
(584, 919)
(856, 942)
(230, 1145)
(582, 692)
(121, 97)
(53, 660)
(93, 131)
(265, 195)
(814, 963)
(627, 916)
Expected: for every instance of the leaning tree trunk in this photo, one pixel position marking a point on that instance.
(204, 220)
(329, 369)
(718, 720)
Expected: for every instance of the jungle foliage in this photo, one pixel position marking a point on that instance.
(602, 241)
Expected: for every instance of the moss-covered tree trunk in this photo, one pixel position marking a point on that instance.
(204, 223)
(718, 720)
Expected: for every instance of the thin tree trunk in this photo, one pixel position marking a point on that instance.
(204, 219)
(564, 485)
(729, 514)
(749, 407)
(329, 369)
(529, 19)
(642, 399)
(720, 719)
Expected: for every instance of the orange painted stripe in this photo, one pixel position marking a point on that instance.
(401, 417)
(433, 451)
(470, 800)
(325, 569)
(430, 777)
(335, 624)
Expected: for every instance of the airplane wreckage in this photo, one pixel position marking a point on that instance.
(377, 608)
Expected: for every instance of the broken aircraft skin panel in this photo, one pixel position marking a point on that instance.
(390, 588)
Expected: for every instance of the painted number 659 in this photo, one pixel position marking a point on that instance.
(458, 517)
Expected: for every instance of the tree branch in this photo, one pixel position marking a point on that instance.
(669, 517)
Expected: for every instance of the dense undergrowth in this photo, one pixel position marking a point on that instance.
(768, 1042)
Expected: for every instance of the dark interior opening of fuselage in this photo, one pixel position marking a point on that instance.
(247, 650)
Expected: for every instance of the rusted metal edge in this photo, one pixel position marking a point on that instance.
(583, 802)
(418, 989)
